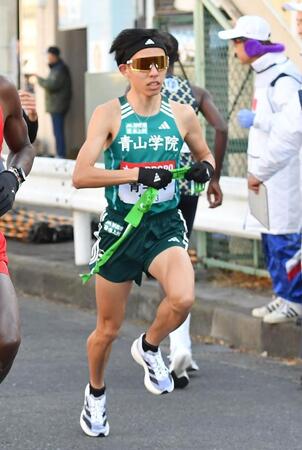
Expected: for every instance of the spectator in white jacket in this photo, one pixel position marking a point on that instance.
(285, 143)
(276, 82)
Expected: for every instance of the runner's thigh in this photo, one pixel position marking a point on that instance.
(173, 269)
(111, 300)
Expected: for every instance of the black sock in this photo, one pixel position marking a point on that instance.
(96, 392)
(146, 346)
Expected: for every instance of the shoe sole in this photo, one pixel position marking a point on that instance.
(90, 433)
(276, 322)
(181, 363)
(140, 360)
(259, 316)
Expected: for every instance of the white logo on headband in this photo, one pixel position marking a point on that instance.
(149, 42)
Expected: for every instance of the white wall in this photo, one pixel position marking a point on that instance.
(105, 19)
(8, 39)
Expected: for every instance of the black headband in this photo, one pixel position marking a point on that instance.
(140, 45)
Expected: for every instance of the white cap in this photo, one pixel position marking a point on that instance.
(292, 6)
(251, 27)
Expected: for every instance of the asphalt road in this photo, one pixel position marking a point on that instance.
(237, 401)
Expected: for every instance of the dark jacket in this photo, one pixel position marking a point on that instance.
(57, 88)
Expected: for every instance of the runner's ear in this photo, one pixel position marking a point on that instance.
(123, 69)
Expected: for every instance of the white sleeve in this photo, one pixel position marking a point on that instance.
(279, 96)
(285, 140)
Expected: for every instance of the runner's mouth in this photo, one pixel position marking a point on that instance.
(153, 84)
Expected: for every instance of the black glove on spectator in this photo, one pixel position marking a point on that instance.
(201, 172)
(8, 188)
(156, 178)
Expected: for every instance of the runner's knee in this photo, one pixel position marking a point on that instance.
(107, 333)
(181, 303)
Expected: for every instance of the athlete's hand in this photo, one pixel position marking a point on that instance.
(201, 172)
(156, 178)
(8, 188)
(214, 194)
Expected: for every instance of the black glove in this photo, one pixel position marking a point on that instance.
(201, 172)
(156, 178)
(8, 188)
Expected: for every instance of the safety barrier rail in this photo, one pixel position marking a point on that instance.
(49, 184)
(228, 219)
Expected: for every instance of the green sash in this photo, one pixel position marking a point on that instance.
(133, 218)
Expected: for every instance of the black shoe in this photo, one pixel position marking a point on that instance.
(181, 381)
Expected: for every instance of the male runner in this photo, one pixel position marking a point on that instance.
(19, 163)
(141, 136)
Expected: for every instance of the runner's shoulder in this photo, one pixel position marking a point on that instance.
(107, 111)
(110, 107)
(8, 90)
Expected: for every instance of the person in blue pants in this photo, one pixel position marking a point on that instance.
(285, 144)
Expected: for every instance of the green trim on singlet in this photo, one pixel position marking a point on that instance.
(151, 141)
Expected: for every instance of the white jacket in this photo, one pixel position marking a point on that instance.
(285, 140)
(284, 200)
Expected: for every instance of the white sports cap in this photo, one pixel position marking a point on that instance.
(292, 6)
(251, 27)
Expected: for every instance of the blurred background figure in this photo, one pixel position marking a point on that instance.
(58, 95)
(277, 79)
(179, 89)
(294, 6)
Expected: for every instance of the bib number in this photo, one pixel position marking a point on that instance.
(130, 193)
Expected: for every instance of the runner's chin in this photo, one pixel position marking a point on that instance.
(154, 88)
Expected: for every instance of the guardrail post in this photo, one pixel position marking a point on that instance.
(202, 246)
(82, 237)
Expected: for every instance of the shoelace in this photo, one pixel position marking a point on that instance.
(158, 365)
(97, 408)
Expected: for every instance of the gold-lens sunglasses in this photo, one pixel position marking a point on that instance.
(145, 64)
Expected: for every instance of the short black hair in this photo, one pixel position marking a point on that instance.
(172, 46)
(131, 40)
(54, 50)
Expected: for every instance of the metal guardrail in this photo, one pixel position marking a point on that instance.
(49, 184)
(228, 219)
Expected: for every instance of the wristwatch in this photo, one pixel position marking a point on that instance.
(19, 173)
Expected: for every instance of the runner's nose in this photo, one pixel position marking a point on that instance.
(154, 70)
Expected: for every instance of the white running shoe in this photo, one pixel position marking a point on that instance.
(93, 418)
(157, 378)
(287, 312)
(267, 309)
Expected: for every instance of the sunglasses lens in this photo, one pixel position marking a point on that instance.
(145, 64)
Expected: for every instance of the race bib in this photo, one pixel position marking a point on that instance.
(130, 193)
